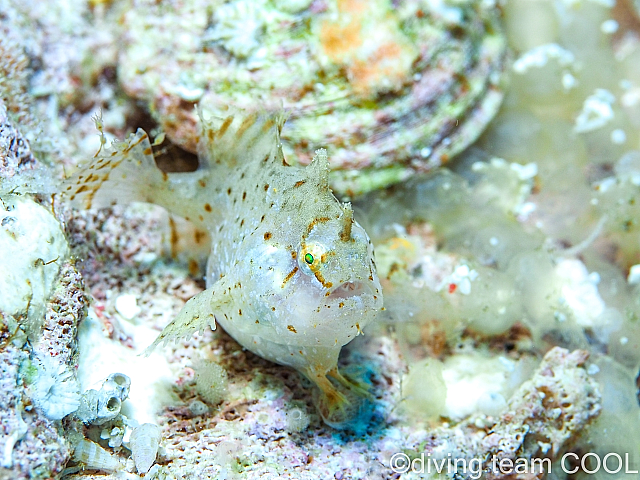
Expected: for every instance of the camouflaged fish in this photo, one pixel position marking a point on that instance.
(291, 276)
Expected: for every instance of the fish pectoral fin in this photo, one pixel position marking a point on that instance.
(196, 315)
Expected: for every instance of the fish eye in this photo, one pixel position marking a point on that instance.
(310, 257)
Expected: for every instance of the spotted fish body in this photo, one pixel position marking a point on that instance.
(291, 275)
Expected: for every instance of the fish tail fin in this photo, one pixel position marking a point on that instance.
(241, 137)
(114, 176)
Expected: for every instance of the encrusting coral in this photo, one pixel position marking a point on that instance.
(15, 152)
(547, 413)
(33, 441)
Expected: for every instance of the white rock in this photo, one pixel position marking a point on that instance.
(539, 56)
(634, 275)
(33, 247)
(126, 305)
(596, 112)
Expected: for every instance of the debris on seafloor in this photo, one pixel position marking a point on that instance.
(94, 457)
(297, 419)
(211, 381)
(143, 443)
(100, 406)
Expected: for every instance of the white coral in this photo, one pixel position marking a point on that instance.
(55, 390)
(238, 27)
(297, 420)
(597, 111)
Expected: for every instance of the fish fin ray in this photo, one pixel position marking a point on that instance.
(113, 177)
(196, 315)
(241, 136)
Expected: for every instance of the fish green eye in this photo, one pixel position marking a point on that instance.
(311, 257)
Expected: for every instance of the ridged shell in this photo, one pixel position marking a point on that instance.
(144, 443)
(93, 456)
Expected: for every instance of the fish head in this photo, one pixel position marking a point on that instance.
(335, 291)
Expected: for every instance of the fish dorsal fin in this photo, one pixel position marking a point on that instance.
(347, 222)
(113, 176)
(318, 170)
(240, 137)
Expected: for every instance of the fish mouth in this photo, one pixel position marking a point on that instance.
(350, 289)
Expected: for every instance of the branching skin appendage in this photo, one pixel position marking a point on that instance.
(291, 274)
